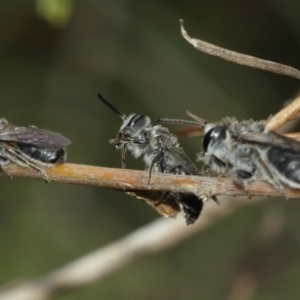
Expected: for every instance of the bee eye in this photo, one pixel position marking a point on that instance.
(136, 120)
(213, 135)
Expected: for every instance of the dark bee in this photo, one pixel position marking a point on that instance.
(161, 153)
(248, 151)
(31, 147)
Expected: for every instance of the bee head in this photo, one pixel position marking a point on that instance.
(214, 135)
(133, 125)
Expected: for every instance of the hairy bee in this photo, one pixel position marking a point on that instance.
(248, 151)
(30, 147)
(161, 153)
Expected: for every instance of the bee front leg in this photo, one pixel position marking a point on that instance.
(24, 161)
(244, 178)
(123, 163)
(3, 168)
(156, 160)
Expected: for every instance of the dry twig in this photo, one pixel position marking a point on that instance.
(287, 114)
(135, 181)
(239, 58)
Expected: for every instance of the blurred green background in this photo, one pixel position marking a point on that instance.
(56, 55)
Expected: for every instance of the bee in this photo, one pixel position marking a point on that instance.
(248, 151)
(161, 153)
(30, 147)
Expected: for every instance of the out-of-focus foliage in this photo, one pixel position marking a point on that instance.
(132, 52)
(56, 12)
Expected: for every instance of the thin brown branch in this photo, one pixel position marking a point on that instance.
(288, 113)
(239, 58)
(98, 265)
(134, 181)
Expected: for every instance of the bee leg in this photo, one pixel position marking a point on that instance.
(3, 162)
(5, 172)
(270, 178)
(123, 163)
(157, 159)
(277, 185)
(245, 185)
(214, 197)
(36, 168)
(46, 178)
(244, 178)
(200, 156)
(162, 198)
(24, 162)
(208, 197)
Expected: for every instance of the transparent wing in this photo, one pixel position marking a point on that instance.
(33, 136)
(187, 166)
(270, 139)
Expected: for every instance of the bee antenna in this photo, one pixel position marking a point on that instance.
(178, 121)
(201, 122)
(123, 116)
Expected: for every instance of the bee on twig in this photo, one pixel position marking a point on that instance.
(31, 147)
(248, 151)
(161, 153)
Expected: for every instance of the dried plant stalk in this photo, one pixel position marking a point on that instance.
(290, 112)
(134, 181)
(239, 58)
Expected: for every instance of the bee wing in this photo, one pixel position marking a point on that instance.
(163, 202)
(33, 136)
(183, 160)
(270, 139)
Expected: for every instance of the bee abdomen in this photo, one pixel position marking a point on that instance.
(287, 162)
(44, 155)
(191, 207)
